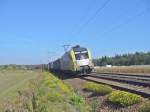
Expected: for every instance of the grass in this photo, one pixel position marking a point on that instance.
(97, 88)
(34, 91)
(123, 98)
(145, 107)
(124, 69)
(12, 81)
(54, 90)
(46, 93)
(96, 104)
(79, 102)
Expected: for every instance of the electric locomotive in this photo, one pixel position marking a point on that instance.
(77, 60)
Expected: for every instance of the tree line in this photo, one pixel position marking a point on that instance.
(19, 67)
(138, 58)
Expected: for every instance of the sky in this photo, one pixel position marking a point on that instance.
(34, 31)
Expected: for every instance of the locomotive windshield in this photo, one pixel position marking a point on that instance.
(81, 55)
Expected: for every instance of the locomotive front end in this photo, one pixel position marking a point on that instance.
(83, 60)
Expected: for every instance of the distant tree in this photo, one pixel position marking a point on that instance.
(12, 67)
(138, 58)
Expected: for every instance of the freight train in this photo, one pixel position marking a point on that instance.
(77, 60)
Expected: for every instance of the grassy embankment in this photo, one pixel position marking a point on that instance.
(33, 91)
(124, 69)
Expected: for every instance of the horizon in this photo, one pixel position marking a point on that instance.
(93, 58)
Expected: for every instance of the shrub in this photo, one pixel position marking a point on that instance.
(55, 96)
(97, 88)
(95, 105)
(54, 83)
(145, 107)
(80, 103)
(77, 100)
(123, 98)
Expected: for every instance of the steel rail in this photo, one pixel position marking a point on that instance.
(126, 79)
(143, 91)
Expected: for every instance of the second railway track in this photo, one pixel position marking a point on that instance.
(130, 79)
(134, 84)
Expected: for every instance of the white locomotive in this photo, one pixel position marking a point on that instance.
(77, 59)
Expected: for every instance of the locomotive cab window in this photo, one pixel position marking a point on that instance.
(81, 55)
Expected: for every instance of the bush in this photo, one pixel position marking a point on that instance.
(59, 92)
(77, 100)
(95, 105)
(80, 103)
(145, 107)
(97, 88)
(123, 98)
(55, 96)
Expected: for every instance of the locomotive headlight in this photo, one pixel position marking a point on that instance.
(75, 63)
(90, 62)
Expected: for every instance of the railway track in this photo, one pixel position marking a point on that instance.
(133, 83)
(126, 74)
(131, 79)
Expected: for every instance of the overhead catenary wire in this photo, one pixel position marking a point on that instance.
(127, 21)
(86, 14)
(94, 15)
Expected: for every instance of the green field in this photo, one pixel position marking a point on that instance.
(36, 91)
(13, 81)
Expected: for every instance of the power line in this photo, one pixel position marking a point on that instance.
(89, 7)
(92, 17)
(128, 20)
